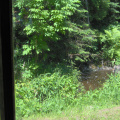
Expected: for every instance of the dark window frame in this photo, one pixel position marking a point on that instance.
(7, 99)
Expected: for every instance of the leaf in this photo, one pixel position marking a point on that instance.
(26, 50)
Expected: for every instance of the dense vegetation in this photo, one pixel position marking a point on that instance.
(51, 95)
(52, 38)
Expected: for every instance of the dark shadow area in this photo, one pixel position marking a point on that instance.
(7, 104)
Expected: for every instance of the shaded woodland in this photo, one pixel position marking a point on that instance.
(53, 40)
(65, 31)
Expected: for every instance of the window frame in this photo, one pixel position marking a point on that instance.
(7, 96)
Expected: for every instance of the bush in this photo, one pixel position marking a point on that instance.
(112, 88)
(111, 43)
(55, 93)
(48, 92)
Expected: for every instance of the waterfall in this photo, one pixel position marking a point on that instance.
(88, 19)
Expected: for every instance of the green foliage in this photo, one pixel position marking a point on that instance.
(114, 11)
(45, 20)
(98, 9)
(111, 43)
(103, 97)
(82, 45)
(48, 92)
(54, 93)
(103, 13)
(112, 88)
(58, 28)
(49, 32)
(117, 62)
(48, 26)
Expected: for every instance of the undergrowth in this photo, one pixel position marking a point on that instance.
(46, 93)
(55, 92)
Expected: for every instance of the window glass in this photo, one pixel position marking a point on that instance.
(66, 58)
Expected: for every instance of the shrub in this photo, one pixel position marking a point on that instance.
(48, 92)
(111, 43)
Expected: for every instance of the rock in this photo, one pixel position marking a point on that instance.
(117, 69)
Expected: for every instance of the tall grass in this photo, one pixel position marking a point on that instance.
(105, 96)
(47, 93)
(55, 93)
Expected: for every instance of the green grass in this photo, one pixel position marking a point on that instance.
(88, 113)
(56, 97)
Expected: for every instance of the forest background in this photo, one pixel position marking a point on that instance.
(64, 31)
(53, 39)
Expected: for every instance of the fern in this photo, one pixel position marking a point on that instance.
(111, 41)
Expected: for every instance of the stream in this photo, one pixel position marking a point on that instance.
(94, 79)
